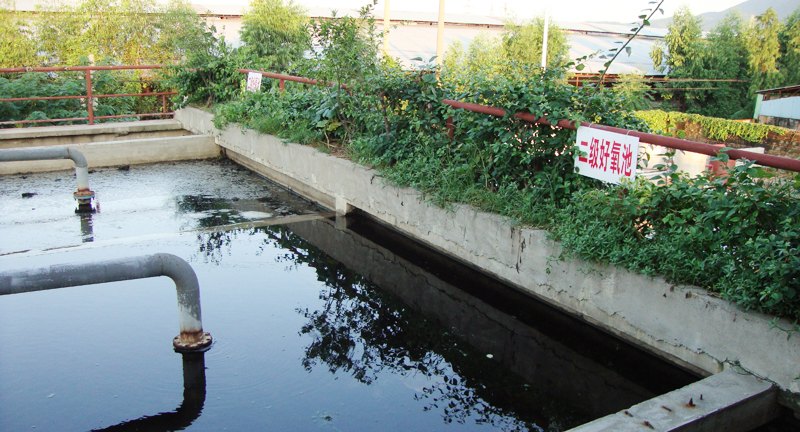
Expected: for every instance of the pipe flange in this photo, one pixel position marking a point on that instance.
(201, 344)
(83, 195)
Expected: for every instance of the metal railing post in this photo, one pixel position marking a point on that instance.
(89, 106)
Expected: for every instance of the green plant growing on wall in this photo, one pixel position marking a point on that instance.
(715, 128)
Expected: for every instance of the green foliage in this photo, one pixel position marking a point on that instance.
(761, 53)
(129, 32)
(715, 128)
(637, 94)
(523, 43)
(276, 31)
(722, 56)
(790, 49)
(518, 45)
(735, 235)
(681, 42)
(208, 76)
(39, 84)
(484, 55)
(16, 43)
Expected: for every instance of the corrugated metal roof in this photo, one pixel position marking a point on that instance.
(433, 17)
(407, 42)
(616, 28)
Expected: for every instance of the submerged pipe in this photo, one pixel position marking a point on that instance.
(83, 195)
(194, 397)
(191, 336)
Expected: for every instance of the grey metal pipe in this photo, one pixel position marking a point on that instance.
(191, 335)
(83, 195)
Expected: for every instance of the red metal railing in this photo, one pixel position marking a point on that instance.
(647, 138)
(88, 96)
(283, 78)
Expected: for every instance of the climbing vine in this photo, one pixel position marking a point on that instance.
(666, 123)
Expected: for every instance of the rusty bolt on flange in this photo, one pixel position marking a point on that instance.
(193, 344)
(84, 196)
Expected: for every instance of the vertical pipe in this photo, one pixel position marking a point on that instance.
(440, 35)
(386, 22)
(282, 85)
(89, 104)
(164, 104)
(83, 195)
(544, 39)
(191, 337)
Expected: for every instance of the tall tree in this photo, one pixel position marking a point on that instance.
(124, 31)
(725, 58)
(523, 43)
(681, 43)
(276, 31)
(764, 51)
(789, 62)
(16, 44)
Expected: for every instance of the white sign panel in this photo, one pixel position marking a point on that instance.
(253, 81)
(608, 156)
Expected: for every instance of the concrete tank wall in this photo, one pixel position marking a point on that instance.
(681, 323)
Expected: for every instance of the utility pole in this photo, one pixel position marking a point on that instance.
(440, 35)
(544, 40)
(386, 28)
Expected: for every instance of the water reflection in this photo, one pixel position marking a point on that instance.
(194, 397)
(87, 232)
(418, 314)
(367, 332)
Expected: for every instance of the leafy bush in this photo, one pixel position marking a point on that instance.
(40, 84)
(735, 235)
(209, 76)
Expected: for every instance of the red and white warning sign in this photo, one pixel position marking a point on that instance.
(608, 156)
(253, 81)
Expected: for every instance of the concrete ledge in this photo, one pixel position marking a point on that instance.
(128, 152)
(79, 134)
(728, 401)
(101, 128)
(683, 324)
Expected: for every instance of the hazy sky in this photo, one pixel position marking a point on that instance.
(566, 10)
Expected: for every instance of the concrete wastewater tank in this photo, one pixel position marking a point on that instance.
(320, 322)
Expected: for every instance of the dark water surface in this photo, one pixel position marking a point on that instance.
(319, 324)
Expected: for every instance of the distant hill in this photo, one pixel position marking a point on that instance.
(749, 8)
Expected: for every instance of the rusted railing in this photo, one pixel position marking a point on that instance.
(283, 78)
(647, 138)
(88, 96)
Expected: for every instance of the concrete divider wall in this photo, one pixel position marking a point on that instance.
(681, 323)
(125, 152)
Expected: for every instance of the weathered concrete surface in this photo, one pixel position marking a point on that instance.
(681, 323)
(79, 134)
(128, 152)
(727, 401)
